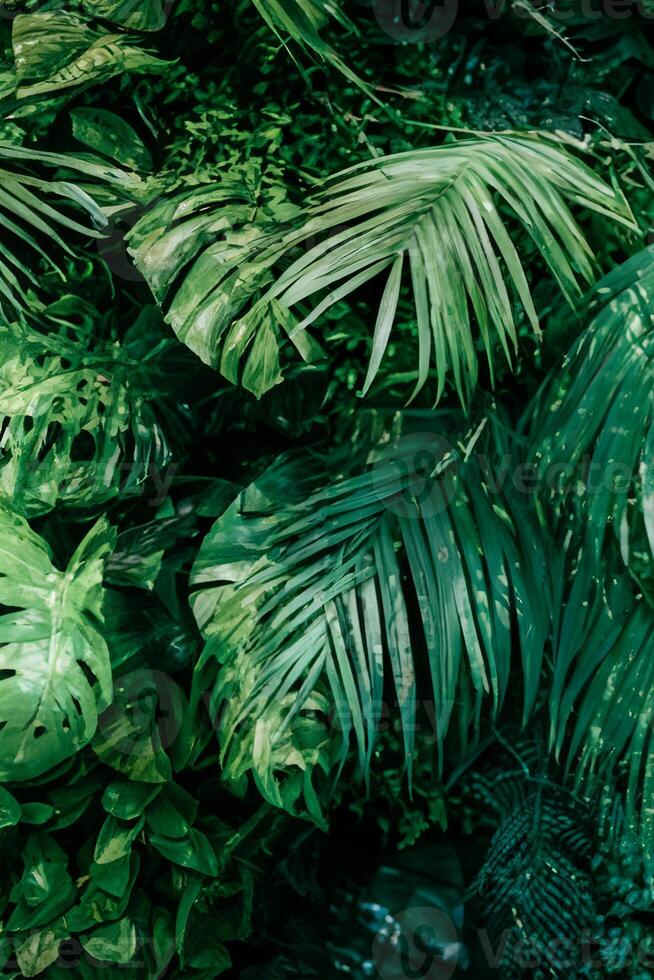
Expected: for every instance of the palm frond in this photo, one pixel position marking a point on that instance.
(436, 215)
(593, 443)
(322, 603)
(602, 696)
(302, 22)
(593, 427)
(40, 214)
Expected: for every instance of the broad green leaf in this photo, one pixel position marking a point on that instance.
(136, 15)
(37, 813)
(59, 53)
(45, 889)
(55, 674)
(172, 813)
(106, 893)
(111, 136)
(40, 949)
(128, 800)
(115, 839)
(114, 942)
(193, 851)
(143, 721)
(10, 810)
(79, 420)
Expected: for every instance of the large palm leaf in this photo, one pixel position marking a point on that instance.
(323, 602)
(55, 673)
(593, 426)
(593, 444)
(602, 695)
(435, 215)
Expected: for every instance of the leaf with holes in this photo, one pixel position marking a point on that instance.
(55, 672)
(80, 417)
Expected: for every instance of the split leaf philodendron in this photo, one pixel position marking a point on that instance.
(54, 661)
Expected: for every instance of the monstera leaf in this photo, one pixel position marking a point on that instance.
(79, 417)
(55, 674)
(323, 603)
(236, 291)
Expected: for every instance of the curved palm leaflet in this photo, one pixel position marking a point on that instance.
(594, 423)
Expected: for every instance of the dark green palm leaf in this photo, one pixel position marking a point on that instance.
(302, 21)
(323, 609)
(39, 215)
(602, 697)
(593, 427)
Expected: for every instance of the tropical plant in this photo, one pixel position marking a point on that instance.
(307, 607)
(594, 422)
(302, 21)
(332, 601)
(430, 212)
(55, 667)
(80, 425)
(59, 53)
(37, 212)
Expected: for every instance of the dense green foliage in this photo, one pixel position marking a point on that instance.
(326, 489)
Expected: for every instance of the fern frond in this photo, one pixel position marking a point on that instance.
(536, 886)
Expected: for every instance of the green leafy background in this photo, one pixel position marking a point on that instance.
(326, 488)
